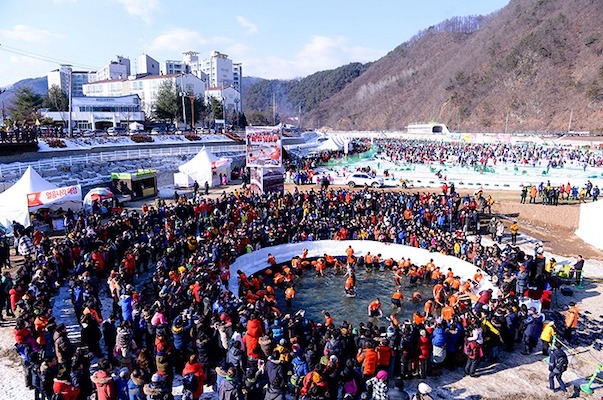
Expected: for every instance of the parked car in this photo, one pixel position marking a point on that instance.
(116, 130)
(361, 179)
(158, 131)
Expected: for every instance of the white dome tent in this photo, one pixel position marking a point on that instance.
(204, 167)
(13, 201)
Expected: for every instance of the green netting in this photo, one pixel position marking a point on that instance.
(351, 159)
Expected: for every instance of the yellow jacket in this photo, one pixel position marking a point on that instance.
(547, 332)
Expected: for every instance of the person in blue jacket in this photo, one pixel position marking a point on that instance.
(181, 331)
(136, 386)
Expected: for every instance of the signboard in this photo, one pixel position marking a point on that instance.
(266, 180)
(58, 195)
(263, 146)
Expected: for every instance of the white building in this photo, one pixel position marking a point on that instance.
(147, 65)
(229, 97)
(146, 87)
(219, 70)
(62, 76)
(116, 69)
(100, 112)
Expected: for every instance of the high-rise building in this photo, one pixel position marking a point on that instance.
(169, 67)
(116, 69)
(237, 75)
(219, 70)
(65, 74)
(147, 65)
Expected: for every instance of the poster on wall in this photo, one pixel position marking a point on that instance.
(64, 197)
(263, 146)
(256, 181)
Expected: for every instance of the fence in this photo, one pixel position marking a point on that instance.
(118, 155)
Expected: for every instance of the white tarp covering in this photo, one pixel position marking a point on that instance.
(590, 223)
(331, 144)
(13, 201)
(204, 167)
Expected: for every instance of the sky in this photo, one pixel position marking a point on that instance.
(273, 39)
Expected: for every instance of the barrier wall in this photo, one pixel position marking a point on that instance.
(590, 223)
(257, 260)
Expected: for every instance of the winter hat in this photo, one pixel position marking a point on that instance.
(424, 388)
(124, 373)
(382, 375)
(156, 378)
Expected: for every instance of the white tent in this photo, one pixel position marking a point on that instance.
(204, 167)
(13, 201)
(330, 144)
(589, 225)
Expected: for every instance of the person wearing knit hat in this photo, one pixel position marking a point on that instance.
(379, 386)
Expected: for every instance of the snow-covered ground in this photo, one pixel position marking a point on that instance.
(119, 141)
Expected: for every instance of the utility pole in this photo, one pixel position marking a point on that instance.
(69, 123)
(192, 99)
(273, 109)
(182, 94)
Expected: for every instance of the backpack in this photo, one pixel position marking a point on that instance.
(561, 362)
(469, 350)
(189, 382)
(187, 395)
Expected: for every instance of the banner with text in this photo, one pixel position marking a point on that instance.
(263, 146)
(55, 196)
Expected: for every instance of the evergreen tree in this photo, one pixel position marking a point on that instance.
(168, 104)
(25, 105)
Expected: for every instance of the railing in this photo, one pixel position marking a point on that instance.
(18, 168)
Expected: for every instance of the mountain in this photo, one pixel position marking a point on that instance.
(38, 85)
(527, 67)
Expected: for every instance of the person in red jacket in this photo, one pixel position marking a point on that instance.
(62, 386)
(194, 367)
(105, 385)
(424, 352)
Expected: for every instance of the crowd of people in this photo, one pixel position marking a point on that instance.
(472, 154)
(150, 294)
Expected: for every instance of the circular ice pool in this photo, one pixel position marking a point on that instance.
(315, 294)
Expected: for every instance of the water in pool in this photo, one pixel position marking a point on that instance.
(314, 294)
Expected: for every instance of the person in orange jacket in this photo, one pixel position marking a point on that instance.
(374, 308)
(289, 295)
(368, 358)
(571, 321)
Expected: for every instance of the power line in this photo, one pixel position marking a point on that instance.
(40, 57)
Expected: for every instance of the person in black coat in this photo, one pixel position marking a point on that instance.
(109, 331)
(275, 367)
